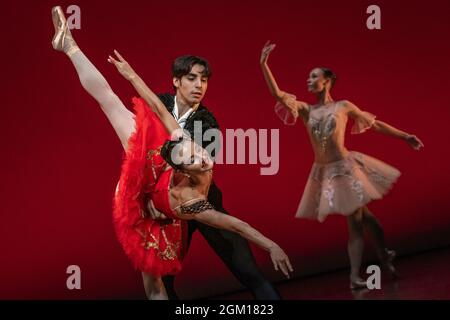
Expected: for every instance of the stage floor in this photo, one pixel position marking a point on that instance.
(421, 276)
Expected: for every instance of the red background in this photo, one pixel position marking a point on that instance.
(60, 157)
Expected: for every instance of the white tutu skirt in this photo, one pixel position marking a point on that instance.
(344, 186)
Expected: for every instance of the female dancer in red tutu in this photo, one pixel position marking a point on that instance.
(155, 169)
(341, 181)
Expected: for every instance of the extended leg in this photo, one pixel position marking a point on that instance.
(375, 230)
(95, 84)
(92, 80)
(154, 287)
(355, 248)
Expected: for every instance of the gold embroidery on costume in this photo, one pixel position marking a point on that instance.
(151, 242)
(150, 154)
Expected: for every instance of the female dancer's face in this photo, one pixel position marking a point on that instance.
(193, 157)
(316, 81)
(192, 86)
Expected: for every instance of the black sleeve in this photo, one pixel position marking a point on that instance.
(215, 198)
(167, 100)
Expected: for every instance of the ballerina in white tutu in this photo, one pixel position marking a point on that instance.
(341, 181)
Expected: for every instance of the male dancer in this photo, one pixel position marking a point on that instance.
(190, 82)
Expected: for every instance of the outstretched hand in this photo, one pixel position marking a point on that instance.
(122, 66)
(268, 48)
(414, 142)
(280, 260)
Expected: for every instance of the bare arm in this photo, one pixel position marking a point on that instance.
(270, 79)
(385, 128)
(287, 99)
(380, 126)
(145, 92)
(230, 223)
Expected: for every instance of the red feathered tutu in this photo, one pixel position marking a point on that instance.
(154, 246)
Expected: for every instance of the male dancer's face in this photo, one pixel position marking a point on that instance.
(191, 88)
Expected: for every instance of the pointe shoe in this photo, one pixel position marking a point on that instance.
(62, 39)
(391, 254)
(60, 25)
(357, 283)
(387, 263)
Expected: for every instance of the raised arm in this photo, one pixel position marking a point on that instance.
(287, 99)
(145, 92)
(270, 79)
(230, 223)
(365, 120)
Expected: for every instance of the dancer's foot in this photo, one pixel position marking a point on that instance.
(62, 39)
(158, 296)
(387, 262)
(357, 283)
